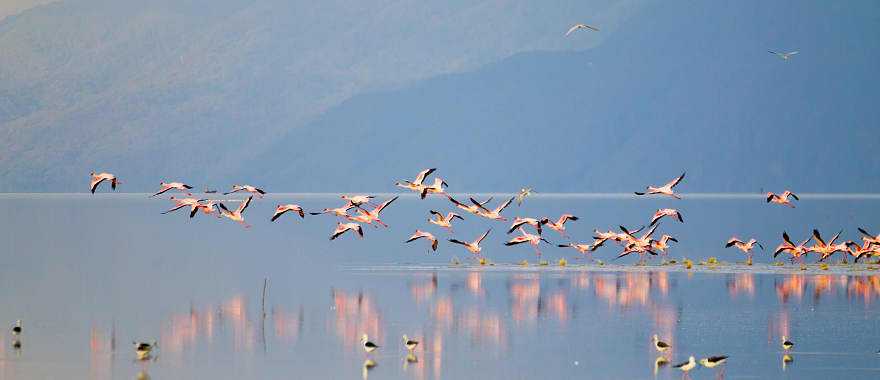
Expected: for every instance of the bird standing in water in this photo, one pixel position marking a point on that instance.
(369, 347)
(409, 343)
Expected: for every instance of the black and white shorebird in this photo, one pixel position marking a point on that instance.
(686, 366)
(16, 328)
(144, 349)
(787, 344)
(369, 346)
(660, 362)
(660, 345)
(714, 361)
(409, 343)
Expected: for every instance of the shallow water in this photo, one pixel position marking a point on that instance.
(88, 275)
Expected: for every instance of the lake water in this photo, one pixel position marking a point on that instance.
(90, 274)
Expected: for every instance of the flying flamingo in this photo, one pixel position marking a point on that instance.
(663, 244)
(370, 216)
(248, 188)
(526, 237)
(797, 251)
(583, 248)
(640, 245)
(860, 251)
(746, 247)
(357, 200)
(96, 180)
(427, 235)
(782, 199)
(435, 188)
(444, 221)
(472, 208)
(281, 209)
(492, 214)
(339, 211)
(236, 216)
(827, 249)
(666, 212)
(665, 189)
(341, 228)
(206, 207)
(868, 238)
(165, 186)
(518, 222)
(474, 246)
(559, 224)
(183, 202)
(416, 185)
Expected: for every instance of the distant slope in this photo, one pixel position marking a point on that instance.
(652, 101)
(195, 89)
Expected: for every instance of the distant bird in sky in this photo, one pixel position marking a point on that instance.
(341, 228)
(666, 212)
(686, 366)
(409, 343)
(417, 184)
(784, 56)
(238, 214)
(422, 234)
(494, 214)
(782, 199)
(444, 221)
(96, 180)
(281, 209)
(165, 186)
(523, 193)
(580, 26)
(665, 189)
(559, 224)
(474, 246)
(248, 188)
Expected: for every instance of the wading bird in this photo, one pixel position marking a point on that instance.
(165, 186)
(248, 188)
(784, 56)
(559, 224)
(492, 214)
(526, 237)
(782, 199)
(715, 361)
(665, 189)
(422, 234)
(417, 184)
(474, 246)
(444, 221)
(409, 343)
(660, 345)
(144, 349)
(237, 215)
(341, 228)
(16, 328)
(96, 180)
(787, 344)
(640, 245)
(666, 212)
(578, 27)
(369, 346)
(281, 209)
(745, 247)
(686, 366)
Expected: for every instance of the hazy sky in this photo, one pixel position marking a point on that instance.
(11, 7)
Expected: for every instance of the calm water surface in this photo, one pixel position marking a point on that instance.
(88, 275)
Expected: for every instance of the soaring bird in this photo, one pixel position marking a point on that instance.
(660, 345)
(474, 246)
(165, 186)
(96, 180)
(427, 235)
(409, 343)
(281, 209)
(665, 189)
(369, 346)
(784, 56)
(417, 184)
(580, 26)
(666, 212)
(559, 224)
(248, 188)
(341, 228)
(494, 214)
(782, 199)
(444, 221)
(237, 215)
(523, 193)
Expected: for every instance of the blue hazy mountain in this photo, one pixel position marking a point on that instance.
(303, 96)
(658, 97)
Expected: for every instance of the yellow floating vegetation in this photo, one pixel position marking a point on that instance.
(688, 263)
(823, 266)
(543, 263)
(483, 261)
(524, 263)
(563, 262)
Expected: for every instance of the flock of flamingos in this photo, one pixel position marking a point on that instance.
(359, 210)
